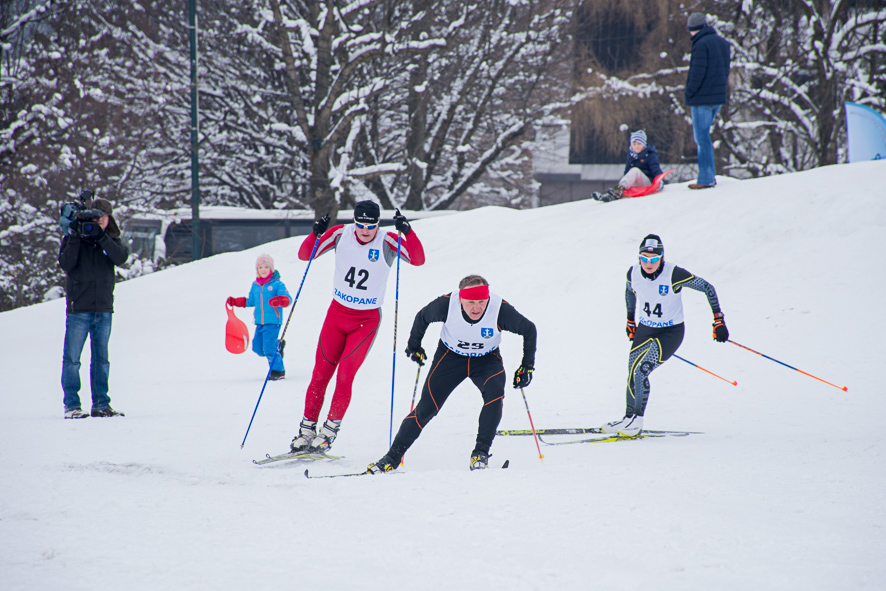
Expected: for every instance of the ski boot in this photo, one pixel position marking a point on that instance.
(386, 464)
(325, 436)
(276, 375)
(306, 434)
(479, 460)
(630, 426)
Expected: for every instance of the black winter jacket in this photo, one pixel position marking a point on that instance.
(708, 80)
(89, 266)
(646, 161)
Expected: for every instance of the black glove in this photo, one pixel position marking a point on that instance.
(92, 230)
(321, 225)
(418, 355)
(721, 333)
(631, 329)
(523, 376)
(401, 224)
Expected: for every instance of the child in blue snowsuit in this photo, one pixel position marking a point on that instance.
(641, 168)
(268, 296)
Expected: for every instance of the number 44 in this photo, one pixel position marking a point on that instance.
(656, 311)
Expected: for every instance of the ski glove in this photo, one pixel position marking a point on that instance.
(418, 355)
(280, 301)
(631, 329)
(401, 224)
(321, 225)
(721, 333)
(523, 376)
(239, 302)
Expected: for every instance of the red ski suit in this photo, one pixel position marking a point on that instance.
(347, 333)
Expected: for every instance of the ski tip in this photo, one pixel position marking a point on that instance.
(306, 473)
(506, 464)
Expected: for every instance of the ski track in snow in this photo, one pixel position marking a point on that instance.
(783, 490)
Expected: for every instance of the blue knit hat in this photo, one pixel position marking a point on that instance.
(639, 136)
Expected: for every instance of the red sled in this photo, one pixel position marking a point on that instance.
(236, 333)
(643, 191)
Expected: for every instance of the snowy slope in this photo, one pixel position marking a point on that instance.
(784, 490)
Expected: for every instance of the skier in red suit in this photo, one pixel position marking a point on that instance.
(363, 260)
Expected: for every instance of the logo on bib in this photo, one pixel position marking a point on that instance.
(663, 289)
(486, 333)
(373, 255)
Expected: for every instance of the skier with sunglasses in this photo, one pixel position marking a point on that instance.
(653, 292)
(363, 259)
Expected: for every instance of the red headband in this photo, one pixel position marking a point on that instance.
(475, 292)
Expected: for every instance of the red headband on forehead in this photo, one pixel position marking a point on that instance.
(475, 292)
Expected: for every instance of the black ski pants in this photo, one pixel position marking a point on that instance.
(651, 348)
(448, 370)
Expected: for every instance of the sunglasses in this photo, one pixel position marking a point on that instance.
(652, 259)
(366, 226)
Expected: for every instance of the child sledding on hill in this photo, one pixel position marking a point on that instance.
(269, 296)
(640, 170)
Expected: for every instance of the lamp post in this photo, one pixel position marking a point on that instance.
(195, 166)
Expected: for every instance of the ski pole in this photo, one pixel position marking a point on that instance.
(394, 364)
(294, 302)
(412, 406)
(844, 388)
(541, 456)
(734, 383)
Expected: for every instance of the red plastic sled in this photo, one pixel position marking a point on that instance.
(236, 333)
(643, 191)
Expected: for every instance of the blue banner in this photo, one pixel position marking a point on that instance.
(865, 133)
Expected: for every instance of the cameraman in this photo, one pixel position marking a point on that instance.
(88, 257)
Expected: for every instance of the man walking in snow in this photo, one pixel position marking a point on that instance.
(707, 86)
(654, 291)
(363, 259)
(473, 319)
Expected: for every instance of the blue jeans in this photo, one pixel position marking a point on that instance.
(77, 327)
(702, 118)
(264, 343)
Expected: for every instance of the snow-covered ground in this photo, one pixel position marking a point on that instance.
(786, 488)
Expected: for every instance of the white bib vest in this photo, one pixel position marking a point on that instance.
(657, 304)
(361, 273)
(471, 340)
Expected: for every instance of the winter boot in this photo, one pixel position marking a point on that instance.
(613, 194)
(386, 464)
(629, 426)
(276, 375)
(106, 412)
(479, 460)
(307, 431)
(325, 436)
(75, 413)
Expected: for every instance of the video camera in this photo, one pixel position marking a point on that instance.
(76, 220)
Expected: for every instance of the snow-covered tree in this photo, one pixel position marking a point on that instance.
(794, 64)
(460, 117)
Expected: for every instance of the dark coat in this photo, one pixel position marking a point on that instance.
(646, 161)
(708, 80)
(89, 266)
